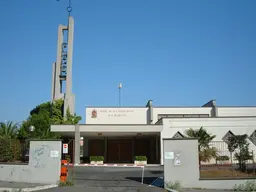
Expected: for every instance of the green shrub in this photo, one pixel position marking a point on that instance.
(173, 185)
(222, 158)
(10, 150)
(96, 158)
(247, 186)
(141, 158)
(68, 158)
(66, 183)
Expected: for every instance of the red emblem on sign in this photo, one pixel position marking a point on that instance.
(94, 113)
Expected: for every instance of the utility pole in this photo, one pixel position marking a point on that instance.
(119, 88)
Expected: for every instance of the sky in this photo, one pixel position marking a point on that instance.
(174, 52)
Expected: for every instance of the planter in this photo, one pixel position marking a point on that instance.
(97, 162)
(140, 162)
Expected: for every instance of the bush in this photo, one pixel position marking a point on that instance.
(141, 158)
(248, 186)
(10, 150)
(66, 183)
(222, 158)
(68, 158)
(96, 158)
(174, 185)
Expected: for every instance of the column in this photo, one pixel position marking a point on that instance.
(77, 145)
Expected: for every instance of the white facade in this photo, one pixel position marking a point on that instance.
(236, 111)
(150, 114)
(157, 123)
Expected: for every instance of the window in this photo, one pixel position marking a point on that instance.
(182, 116)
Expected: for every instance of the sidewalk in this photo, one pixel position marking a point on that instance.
(17, 186)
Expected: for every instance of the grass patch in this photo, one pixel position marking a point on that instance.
(247, 186)
(174, 185)
(66, 183)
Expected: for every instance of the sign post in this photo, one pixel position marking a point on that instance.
(65, 148)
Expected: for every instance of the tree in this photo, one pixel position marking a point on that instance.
(242, 155)
(71, 119)
(206, 152)
(43, 116)
(8, 130)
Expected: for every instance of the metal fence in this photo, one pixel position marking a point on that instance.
(14, 151)
(229, 164)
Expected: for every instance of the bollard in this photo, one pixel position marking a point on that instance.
(63, 172)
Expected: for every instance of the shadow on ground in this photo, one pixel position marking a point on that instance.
(146, 180)
(157, 172)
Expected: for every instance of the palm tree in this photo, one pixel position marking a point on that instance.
(206, 152)
(8, 130)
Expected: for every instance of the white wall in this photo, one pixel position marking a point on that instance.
(236, 111)
(215, 126)
(117, 116)
(180, 110)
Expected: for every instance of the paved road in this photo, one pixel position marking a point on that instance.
(99, 179)
(103, 179)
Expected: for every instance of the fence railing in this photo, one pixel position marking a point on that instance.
(229, 164)
(13, 151)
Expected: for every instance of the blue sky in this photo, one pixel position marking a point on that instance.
(174, 52)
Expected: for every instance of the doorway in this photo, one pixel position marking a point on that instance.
(119, 150)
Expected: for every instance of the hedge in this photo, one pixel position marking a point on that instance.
(10, 150)
(141, 158)
(96, 158)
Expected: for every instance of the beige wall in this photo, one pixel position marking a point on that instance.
(117, 116)
(236, 111)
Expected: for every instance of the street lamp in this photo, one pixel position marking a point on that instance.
(31, 128)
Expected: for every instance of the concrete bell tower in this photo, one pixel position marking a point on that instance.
(62, 68)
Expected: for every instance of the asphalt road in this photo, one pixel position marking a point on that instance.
(99, 179)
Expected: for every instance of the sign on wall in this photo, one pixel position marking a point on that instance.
(65, 148)
(54, 153)
(116, 115)
(169, 155)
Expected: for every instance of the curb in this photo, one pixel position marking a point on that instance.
(27, 189)
(104, 165)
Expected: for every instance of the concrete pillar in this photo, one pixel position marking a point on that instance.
(77, 145)
(53, 80)
(70, 55)
(149, 112)
(69, 101)
(57, 86)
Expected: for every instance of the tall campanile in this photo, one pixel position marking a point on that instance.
(62, 68)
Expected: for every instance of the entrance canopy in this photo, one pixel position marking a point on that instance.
(107, 130)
